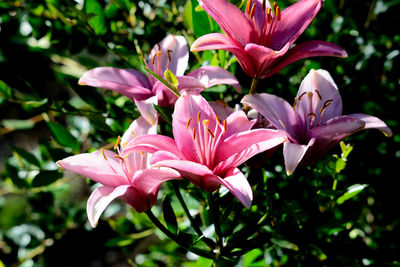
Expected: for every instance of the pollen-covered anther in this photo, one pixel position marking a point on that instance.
(169, 51)
(188, 122)
(211, 133)
(278, 13)
(252, 11)
(269, 16)
(325, 105)
(264, 6)
(102, 152)
(119, 157)
(134, 135)
(319, 95)
(295, 103)
(217, 118)
(225, 127)
(117, 143)
(198, 117)
(301, 96)
(248, 5)
(194, 134)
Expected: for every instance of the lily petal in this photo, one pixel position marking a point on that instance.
(147, 110)
(100, 199)
(241, 146)
(129, 82)
(293, 154)
(231, 19)
(294, 20)
(101, 167)
(193, 171)
(211, 76)
(276, 110)
(237, 122)
(372, 122)
(237, 184)
(219, 41)
(306, 50)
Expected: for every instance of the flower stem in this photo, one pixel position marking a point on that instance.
(200, 252)
(214, 212)
(254, 85)
(194, 224)
(252, 91)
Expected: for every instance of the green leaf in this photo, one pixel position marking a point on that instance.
(171, 78)
(12, 173)
(29, 157)
(5, 90)
(284, 244)
(119, 242)
(165, 113)
(44, 178)
(351, 192)
(169, 215)
(98, 22)
(165, 82)
(254, 258)
(202, 22)
(12, 124)
(63, 136)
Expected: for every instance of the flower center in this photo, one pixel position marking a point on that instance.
(206, 137)
(265, 21)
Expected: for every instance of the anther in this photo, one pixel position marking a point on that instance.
(142, 153)
(325, 105)
(253, 11)
(159, 47)
(295, 103)
(225, 125)
(153, 60)
(194, 134)
(102, 152)
(319, 95)
(169, 54)
(263, 5)
(188, 122)
(217, 118)
(302, 95)
(211, 133)
(198, 117)
(119, 157)
(117, 143)
(248, 6)
(134, 135)
(269, 16)
(278, 13)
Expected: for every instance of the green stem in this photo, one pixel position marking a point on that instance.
(254, 85)
(200, 252)
(214, 212)
(252, 91)
(194, 224)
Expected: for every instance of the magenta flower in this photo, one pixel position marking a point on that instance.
(171, 53)
(315, 123)
(207, 150)
(261, 38)
(128, 178)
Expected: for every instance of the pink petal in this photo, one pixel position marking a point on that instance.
(186, 119)
(221, 109)
(165, 97)
(176, 61)
(263, 57)
(148, 181)
(306, 50)
(276, 110)
(237, 122)
(231, 19)
(293, 154)
(240, 147)
(94, 166)
(238, 185)
(147, 110)
(138, 127)
(129, 82)
(294, 20)
(372, 122)
(219, 41)
(323, 89)
(211, 76)
(192, 171)
(151, 143)
(100, 199)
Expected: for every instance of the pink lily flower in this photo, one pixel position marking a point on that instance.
(315, 123)
(171, 53)
(261, 38)
(207, 150)
(130, 178)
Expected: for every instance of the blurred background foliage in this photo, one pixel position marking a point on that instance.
(308, 219)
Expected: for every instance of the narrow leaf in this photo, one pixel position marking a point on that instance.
(169, 216)
(44, 178)
(351, 192)
(63, 136)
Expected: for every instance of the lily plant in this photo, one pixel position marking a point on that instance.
(170, 54)
(129, 178)
(262, 37)
(314, 124)
(207, 150)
